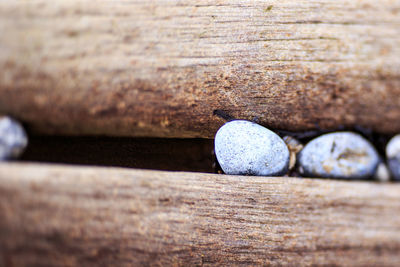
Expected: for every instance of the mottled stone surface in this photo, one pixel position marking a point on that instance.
(246, 148)
(339, 155)
(13, 139)
(393, 156)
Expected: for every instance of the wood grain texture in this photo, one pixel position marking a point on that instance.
(160, 68)
(59, 215)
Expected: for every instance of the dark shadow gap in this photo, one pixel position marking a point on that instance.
(145, 153)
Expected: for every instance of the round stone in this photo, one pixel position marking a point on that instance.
(339, 155)
(393, 156)
(13, 139)
(246, 148)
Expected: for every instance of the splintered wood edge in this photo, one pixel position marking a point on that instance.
(63, 215)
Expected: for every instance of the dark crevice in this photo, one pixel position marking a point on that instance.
(172, 154)
(144, 153)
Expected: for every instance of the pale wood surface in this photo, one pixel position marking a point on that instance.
(160, 68)
(60, 215)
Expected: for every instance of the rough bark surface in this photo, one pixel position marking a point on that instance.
(160, 68)
(59, 215)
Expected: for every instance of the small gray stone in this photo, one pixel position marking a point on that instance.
(246, 148)
(13, 139)
(393, 156)
(382, 173)
(344, 155)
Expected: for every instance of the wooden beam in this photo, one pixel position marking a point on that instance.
(62, 215)
(160, 68)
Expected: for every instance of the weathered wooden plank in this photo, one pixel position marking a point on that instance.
(160, 68)
(59, 215)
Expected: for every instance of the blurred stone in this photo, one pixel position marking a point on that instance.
(393, 156)
(382, 173)
(13, 139)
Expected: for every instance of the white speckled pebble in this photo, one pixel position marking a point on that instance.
(339, 155)
(13, 138)
(246, 148)
(393, 156)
